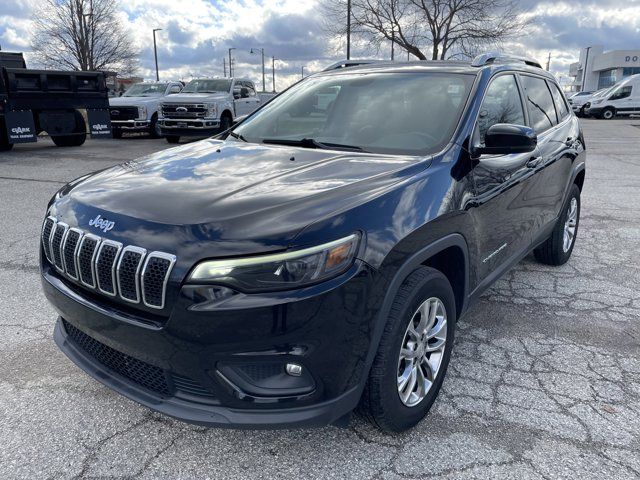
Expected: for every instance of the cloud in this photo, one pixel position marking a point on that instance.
(195, 35)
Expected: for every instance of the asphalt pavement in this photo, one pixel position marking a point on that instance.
(544, 380)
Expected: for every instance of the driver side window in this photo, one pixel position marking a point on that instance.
(501, 104)
(624, 92)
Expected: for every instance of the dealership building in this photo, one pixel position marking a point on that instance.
(598, 69)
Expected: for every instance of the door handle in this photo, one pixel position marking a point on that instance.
(534, 162)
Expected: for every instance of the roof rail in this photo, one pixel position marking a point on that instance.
(499, 57)
(349, 63)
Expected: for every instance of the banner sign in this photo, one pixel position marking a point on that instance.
(99, 123)
(20, 126)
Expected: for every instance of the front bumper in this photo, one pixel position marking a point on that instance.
(326, 329)
(131, 125)
(189, 127)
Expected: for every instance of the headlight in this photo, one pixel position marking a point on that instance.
(212, 110)
(598, 101)
(142, 112)
(280, 271)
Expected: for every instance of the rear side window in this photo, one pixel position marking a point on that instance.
(561, 105)
(542, 113)
(501, 104)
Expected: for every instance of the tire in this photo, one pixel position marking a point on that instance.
(381, 400)
(225, 123)
(554, 251)
(608, 113)
(154, 128)
(116, 132)
(4, 139)
(172, 139)
(75, 139)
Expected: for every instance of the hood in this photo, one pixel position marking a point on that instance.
(133, 101)
(250, 197)
(194, 97)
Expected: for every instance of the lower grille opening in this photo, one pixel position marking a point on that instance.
(143, 374)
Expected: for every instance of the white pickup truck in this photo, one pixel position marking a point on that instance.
(207, 106)
(137, 109)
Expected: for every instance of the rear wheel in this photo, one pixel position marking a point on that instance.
(172, 139)
(4, 139)
(558, 247)
(608, 113)
(75, 139)
(413, 354)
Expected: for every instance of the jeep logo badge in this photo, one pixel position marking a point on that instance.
(102, 224)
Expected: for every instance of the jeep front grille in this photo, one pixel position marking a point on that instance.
(129, 272)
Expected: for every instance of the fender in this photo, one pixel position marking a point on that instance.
(414, 261)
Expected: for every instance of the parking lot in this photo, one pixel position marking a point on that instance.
(544, 381)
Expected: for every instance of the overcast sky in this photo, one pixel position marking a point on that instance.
(197, 33)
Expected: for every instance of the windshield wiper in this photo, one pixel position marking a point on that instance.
(238, 136)
(311, 143)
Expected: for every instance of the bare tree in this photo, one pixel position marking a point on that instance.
(82, 35)
(448, 28)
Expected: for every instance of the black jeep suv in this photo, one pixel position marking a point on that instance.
(316, 256)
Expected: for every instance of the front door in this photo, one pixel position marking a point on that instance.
(503, 214)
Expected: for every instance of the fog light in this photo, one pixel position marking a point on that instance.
(293, 369)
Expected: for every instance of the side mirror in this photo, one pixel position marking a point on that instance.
(175, 89)
(504, 138)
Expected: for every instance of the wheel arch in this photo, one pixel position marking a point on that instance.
(227, 112)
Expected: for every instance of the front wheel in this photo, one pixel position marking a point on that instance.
(172, 139)
(154, 128)
(557, 249)
(413, 354)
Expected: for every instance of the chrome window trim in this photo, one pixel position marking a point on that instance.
(172, 260)
(47, 246)
(142, 252)
(98, 240)
(61, 251)
(118, 247)
(75, 251)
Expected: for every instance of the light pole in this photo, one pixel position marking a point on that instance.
(255, 50)
(155, 52)
(302, 71)
(230, 63)
(273, 72)
(348, 29)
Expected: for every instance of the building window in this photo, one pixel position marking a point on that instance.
(628, 71)
(607, 78)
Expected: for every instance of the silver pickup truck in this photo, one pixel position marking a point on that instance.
(207, 106)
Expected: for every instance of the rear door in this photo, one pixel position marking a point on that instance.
(503, 211)
(549, 116)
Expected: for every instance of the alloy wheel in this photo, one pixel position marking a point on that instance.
(422, 350)
(570, 225)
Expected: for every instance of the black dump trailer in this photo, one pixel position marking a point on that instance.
(35, 101)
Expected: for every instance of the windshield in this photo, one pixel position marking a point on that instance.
(403, 113)
(146, 90)
(207, 86)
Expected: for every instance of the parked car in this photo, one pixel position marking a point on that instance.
(207, 106)
(137, 109)
(621, 99)
(319, 254)
(51, 101)
(578, 100)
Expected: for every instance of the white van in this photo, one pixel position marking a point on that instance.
(622, 99)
